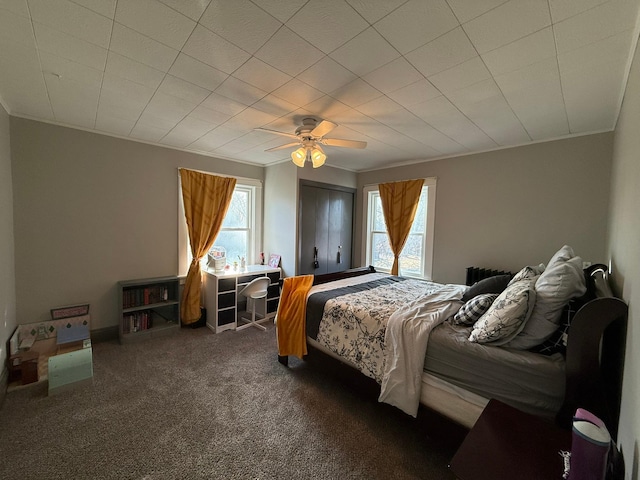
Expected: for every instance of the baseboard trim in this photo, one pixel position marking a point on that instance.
(106, 334)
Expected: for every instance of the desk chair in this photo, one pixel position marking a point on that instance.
(255, 290)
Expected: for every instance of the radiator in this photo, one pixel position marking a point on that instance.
(475, 274)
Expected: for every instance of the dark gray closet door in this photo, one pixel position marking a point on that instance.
(325, 230)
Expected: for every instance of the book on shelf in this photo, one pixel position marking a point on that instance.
(137, 297)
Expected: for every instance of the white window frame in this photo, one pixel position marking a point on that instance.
(427, 248)
(254, 246)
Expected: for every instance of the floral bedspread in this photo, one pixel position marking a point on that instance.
(353, 325)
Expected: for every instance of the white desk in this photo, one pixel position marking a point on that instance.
(222, 299)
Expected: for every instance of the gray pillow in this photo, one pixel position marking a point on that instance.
(494, 284)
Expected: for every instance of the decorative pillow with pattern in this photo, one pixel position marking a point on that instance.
(471, 311)
(507, 315)
(527, 272)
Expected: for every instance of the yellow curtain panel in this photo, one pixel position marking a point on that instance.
(399, 204)
(291, 317)
(206, 200)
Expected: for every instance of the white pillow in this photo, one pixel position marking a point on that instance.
(507, 315)
(559, 283)
(562, 255)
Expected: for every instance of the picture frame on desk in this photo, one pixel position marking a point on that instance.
(274, 260)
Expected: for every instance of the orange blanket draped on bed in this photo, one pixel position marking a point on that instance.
(291, 316)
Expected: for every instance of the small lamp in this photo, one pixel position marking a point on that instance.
(317, 156)
(299, 156)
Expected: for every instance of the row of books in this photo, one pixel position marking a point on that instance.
(136, 322)
(136, 297)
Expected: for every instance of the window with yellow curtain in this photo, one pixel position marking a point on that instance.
(417, 256)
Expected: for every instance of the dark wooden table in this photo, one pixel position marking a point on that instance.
(508, 443)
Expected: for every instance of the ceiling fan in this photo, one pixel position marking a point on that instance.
(309, 137)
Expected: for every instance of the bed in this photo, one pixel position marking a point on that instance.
(406, 335)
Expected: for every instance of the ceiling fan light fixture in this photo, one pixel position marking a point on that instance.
(299, 156)
(318, 157)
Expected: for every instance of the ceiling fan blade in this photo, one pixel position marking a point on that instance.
(281, 147)
(290, 135)
(336, 142)
(323, 128)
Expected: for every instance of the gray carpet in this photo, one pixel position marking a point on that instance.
(203, 406)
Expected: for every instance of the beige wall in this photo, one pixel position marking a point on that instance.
(513, 207)
(624, 252)
(91, 210)
(7, 267)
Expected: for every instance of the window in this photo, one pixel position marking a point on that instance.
(416, 257)
(240, 233)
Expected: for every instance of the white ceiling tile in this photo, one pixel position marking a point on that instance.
(192, 9)
(531, 49)
(428, 135)
(283, 10)
(124, 94)
(72, 19)
(484, 104)
(335, 21)
(103, 7)
(274, 105)
(467, 10)
(326, 75)
(73, 103)
(155, 20)
(277, 52)
(208, 115)
(249, 119)
(165, 111)
(365, 53)
(417, 92)
(143, 49)
(214, 50)
(374, 10)
(415, 23)
(591, 77)
(356, 93)
(111, 124)
(241, 22)
(196, 72)
(392, 76)
(69, 47)
(445, 52)
(15, 28)
(127, 111)
(19, 7)
(68, 70)
(149, 133)
(460, 76)
(596, 24)
(259, 74)
(507, 23)
(182, 89)
(297, 92)
(326, 107)
(224, 104)
(135, 71)
(563, 9)
(187, 131)
(21, 82)
(535, 95)
(379, 106)
(240, 91)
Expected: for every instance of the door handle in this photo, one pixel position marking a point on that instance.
(339, 254)
(316, 264)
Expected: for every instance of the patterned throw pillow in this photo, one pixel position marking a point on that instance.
(507, 315)
(527, 272)
(471, 311)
